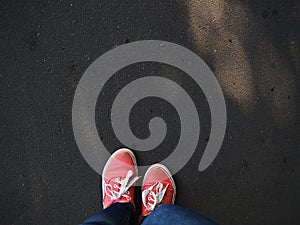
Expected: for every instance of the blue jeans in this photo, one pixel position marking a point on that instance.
(124, 214)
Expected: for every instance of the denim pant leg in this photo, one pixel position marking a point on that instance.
(175, 215)
(116, 214)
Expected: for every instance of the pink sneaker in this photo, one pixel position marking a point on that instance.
(118, 178)
(158, 188)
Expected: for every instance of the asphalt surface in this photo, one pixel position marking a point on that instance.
(251, 46)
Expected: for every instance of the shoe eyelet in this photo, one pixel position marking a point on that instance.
(115, 186)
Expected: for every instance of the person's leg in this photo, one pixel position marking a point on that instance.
(116, 214)
(175, 215)
(158, 196)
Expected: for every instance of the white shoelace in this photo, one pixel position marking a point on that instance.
(125, 184)
(155, 196)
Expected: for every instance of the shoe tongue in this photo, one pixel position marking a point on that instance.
(148, 185)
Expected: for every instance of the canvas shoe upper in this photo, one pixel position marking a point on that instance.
(158, 188)
(118, 178)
